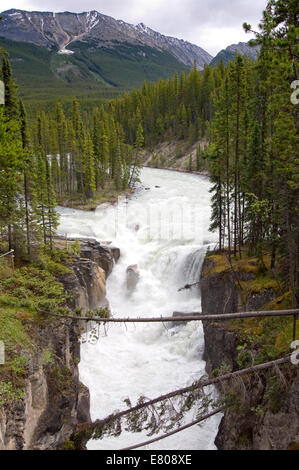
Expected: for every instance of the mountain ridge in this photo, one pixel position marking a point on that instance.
(92, 55)
(50, 29)
(230, 52)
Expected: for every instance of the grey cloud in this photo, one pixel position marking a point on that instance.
(194, 13)
(114, 8)
(200, 20)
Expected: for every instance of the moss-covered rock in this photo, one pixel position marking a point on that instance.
(267, 417)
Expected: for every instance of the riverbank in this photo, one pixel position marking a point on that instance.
(106, 196)
(177, 156)
(179, 170)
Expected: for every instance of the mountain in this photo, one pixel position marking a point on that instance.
(231, 51)
(66, 53)
(61, 29)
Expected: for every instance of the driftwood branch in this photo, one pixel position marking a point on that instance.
(188, 286)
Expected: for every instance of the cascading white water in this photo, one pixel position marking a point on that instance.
(163, 228)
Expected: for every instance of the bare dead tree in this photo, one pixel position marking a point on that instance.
(98, 428)
(182, 428)
(192, 316)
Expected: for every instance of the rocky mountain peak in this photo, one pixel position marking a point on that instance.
(59, 30)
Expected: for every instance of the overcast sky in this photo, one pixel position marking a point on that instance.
(211, 24)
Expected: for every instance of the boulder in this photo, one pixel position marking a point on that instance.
(103, 254)
(115, 252)
(132, 277)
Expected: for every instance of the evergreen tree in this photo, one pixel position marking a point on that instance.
(10, 89)
(138, 147)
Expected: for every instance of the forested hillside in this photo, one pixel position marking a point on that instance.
(65, 54)
(45, 75)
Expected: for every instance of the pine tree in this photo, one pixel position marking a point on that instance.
(278, 38)
(10, 167)
(11, 207)
(26, 168)
(45, 198)
(238, 105)
(221, 166)
(118, 167)
(138, 147)
(10, 89)
(198, 158)
(62, 148)
(104, 155)
(78, 146)
(89, 168)
(190, 166)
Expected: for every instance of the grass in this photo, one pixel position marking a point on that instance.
(260, 284)
(12, 330)
(220, 264)
(5, 268)
(271, 336)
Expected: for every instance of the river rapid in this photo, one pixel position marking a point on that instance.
(163, 228)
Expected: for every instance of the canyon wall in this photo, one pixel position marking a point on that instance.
(55, 401)
(268, 416)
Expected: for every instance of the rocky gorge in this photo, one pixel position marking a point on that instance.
(55, 400)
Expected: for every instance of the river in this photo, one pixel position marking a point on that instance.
(163, 228)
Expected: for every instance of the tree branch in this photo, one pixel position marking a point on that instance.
(91, 428)
(182, 428)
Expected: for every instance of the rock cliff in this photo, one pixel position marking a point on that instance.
(55, 400)
(268, 418)
(87, 281)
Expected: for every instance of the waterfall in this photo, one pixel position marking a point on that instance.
(164, 231)
(190, 268)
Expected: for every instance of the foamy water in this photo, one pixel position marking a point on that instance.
(164, 230)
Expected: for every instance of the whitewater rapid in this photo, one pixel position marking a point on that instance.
(163, 228)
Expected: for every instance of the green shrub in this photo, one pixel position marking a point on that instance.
(19, 365)
(8, 394)
(46, 358)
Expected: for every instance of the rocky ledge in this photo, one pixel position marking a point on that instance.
(87, 282)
